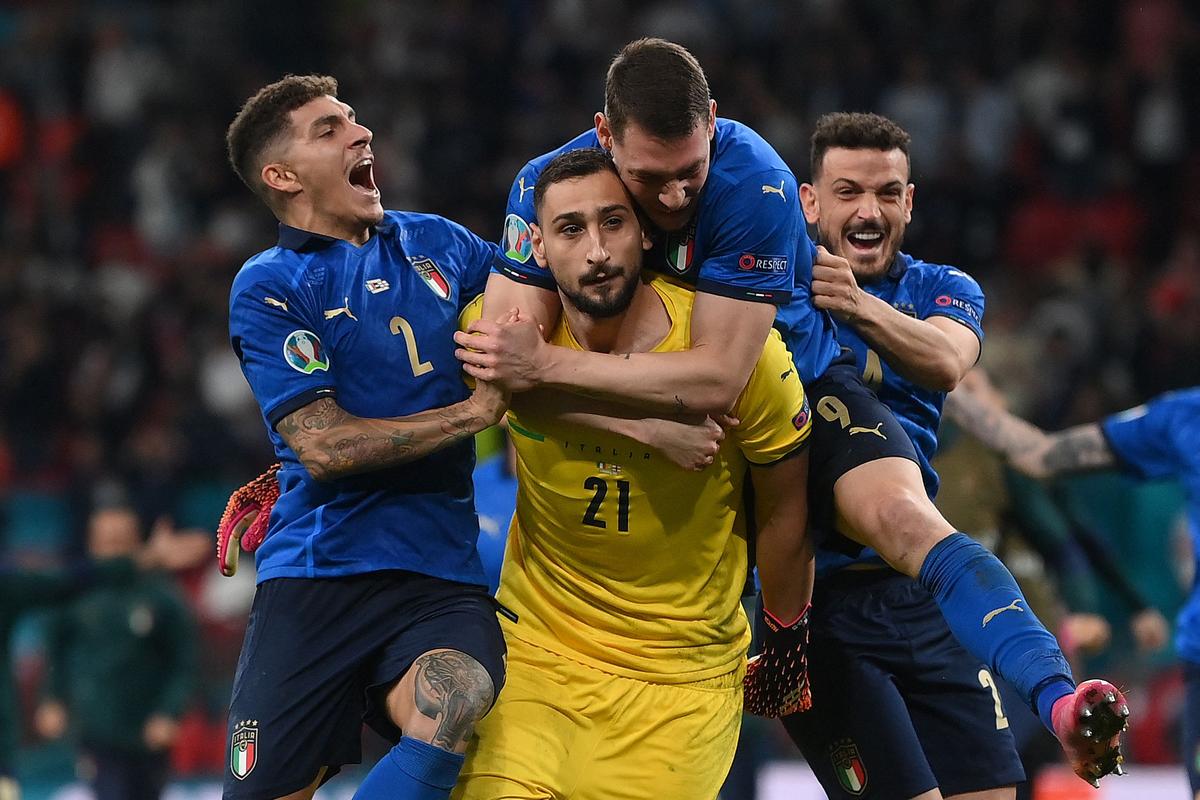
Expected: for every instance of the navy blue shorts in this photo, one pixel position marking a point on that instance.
(1190, 747)
(899, 707)
(851, 427)
(319, 657)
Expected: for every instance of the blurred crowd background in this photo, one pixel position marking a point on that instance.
(1055, 154)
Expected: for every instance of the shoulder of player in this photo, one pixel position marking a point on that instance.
(427, 230)
(1184, 403)
(918, 270)
(742, 157)
(279, 267)
(534, 166)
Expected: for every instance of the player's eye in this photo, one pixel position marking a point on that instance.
(327, 133)
(613, 222)
(570, 230)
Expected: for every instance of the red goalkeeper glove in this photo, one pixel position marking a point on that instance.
(243, 526)
(776, 682)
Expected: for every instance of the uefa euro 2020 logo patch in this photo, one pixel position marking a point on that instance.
(243, 748)
(305, 353)
(518, 239)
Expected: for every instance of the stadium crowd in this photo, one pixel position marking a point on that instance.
(1054, 146)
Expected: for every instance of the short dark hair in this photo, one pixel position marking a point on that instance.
(569, 165)
(660, 86)
(855, 131)
(264, 118)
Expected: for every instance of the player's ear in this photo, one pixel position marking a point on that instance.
(647, 242)
(712, 118)
(539, 245)
(603, 131)
(810, 203)
(280, 177)
(908, 202)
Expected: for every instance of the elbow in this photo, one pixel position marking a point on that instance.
(945, 375)
(717, 397)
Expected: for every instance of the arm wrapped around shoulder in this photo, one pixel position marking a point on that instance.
(243, 526)
(776, 682)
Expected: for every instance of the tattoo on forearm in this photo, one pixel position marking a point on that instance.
(455, 690)
(335, 443)
(680, 406)
(997, 429)
(1084, 448)
(457, 426)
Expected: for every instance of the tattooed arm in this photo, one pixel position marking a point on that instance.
(332, 443)
(1027, 447)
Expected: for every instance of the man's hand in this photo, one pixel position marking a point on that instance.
(776, 682)
(510, 352)
(244, 523)
(834, 288)
(491, 399)
(160, 732)
(690, 445)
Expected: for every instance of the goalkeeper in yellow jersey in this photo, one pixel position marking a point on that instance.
(627, 656)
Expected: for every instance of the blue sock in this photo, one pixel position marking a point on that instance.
(988, 614)
(412, 770)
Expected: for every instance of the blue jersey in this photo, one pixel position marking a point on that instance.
(920, 290)
(746, 240)
(370, 326)
(1162, 440)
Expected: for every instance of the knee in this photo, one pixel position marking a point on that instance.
(451, 691)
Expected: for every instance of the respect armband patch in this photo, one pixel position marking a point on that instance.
(752, 262)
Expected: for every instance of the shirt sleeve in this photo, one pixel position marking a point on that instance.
(514, 257)
(279, 345)
(956, 295)
(475, 260)
(1143, 441)
(773, 411)
(758, 232)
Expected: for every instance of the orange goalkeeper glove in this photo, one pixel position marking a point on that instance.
(243, 526)
(776, 682)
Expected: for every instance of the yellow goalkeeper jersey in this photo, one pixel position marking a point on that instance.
(620, 559)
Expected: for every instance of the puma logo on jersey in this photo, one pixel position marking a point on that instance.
(271, 301)
(784, 375)
(876, 430)
(988, 617)
(330, 313)
(521, 185)
(772, 190)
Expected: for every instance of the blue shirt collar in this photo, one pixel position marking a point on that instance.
(303, 241)
(899, 266)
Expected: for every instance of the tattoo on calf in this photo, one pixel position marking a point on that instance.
(455, 690)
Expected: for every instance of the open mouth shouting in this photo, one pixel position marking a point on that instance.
(866, 243)
(362, 177)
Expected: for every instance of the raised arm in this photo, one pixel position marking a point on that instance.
(979, 411)
(332, 443)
